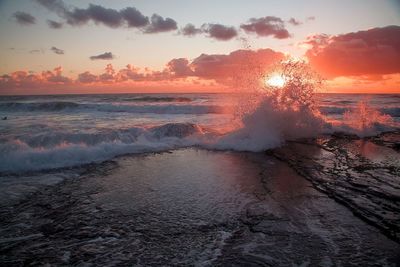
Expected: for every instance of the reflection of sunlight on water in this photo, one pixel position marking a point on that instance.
(374, 152)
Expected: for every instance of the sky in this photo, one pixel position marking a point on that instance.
(61, 47)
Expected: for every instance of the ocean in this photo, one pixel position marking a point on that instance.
(47, 132)
(184, 180)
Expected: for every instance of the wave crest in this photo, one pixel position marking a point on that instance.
(64, 149)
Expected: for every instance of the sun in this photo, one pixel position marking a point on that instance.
(275, 80)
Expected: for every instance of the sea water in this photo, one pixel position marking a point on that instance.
(47, 132)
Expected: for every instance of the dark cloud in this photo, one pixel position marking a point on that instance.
(56, 76)
(294, 22)
(159, 24)
(130, 73)
(54, 24)
(372, 52)
(104, 56)
(179, 67)
(87, 77)
(310, 18)
(219, 31)
(57, 50)
(267, 26)
(134, 18)
(108, 75)
(129, 17)
(24, 18)
(190, 30)
(100, 15)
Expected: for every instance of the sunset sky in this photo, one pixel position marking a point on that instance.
(61, 47)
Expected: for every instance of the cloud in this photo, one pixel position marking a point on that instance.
(267, 26)
(219, 69)
(126, 17)
(55, 76)
(294, 22)
(25, 79)
(100, 15)
(87, 77)
(57, 50)
(371, 52)
(130, 73)
(134, 18)
(108, 75)
(310, 18)
(216, 31)
(104, 56)
(24, 18)
(224, 68)
(54, 24)
(179, 67)
(131, 17)
(190, 30)
(219, 31)
(79, 16)
(159, 24)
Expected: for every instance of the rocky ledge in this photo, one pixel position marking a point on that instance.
(361, 173)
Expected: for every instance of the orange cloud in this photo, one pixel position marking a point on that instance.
(365, 53)
(26, 79)
(178, 72)
(223, 68)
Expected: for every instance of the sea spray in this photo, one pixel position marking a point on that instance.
(364, 120)
(270, 114)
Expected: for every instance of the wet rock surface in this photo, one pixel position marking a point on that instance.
(362, 174)
(295, 225)
(206, 208)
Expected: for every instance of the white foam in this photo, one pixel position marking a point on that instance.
(64, 150)
(269, 126)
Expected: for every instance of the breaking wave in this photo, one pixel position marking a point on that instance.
(66, 149)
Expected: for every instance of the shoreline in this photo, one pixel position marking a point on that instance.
(219, 207)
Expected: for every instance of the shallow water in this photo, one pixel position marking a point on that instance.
(190, 207)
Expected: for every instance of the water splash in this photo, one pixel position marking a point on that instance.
(364, 120)
(269, 115)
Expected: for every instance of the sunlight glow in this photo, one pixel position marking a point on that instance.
(275, 80)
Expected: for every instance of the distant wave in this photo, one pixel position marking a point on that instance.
(102, 107)
(157, 99)
(394, 112)
(38, 106)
